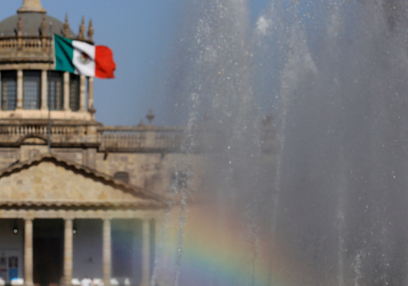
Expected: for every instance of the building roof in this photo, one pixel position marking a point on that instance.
(31, 25)
(149, 199)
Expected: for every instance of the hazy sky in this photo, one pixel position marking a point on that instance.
(141, 34)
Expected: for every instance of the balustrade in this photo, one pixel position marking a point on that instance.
(108, 138)
(23, 130)
(113, 138)
(26, 47)
(138, 139)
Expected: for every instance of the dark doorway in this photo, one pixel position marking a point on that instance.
(48, 243)
(127, 248)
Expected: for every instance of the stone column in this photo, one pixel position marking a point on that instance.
(66, 91)
(106, 252)
(19, 89)
(28, 252)
(82, 95)
(146, 252)
(44, 87)
(2, 95)
(91, 94)
(68, 251)
(158, 231)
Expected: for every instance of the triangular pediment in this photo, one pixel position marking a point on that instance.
(49, 179)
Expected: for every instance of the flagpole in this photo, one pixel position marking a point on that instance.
(48, 95)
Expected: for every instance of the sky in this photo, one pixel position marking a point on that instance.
(141, 34)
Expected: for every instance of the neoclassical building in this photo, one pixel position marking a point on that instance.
(79, 199)
(76, 198)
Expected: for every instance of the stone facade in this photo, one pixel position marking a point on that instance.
(63, 174)
(60, 168)
(40, 182)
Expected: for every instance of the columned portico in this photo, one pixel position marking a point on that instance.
(91, 94)
(28, 252)
(107, 251)
(66, 91)
(107, 202)
(19, 104)
(82, 93)
(86, 205)
(68, 250)
(146, 253)
(34, 233)
(44, 89)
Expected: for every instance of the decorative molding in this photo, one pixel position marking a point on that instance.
(31, 6)
(66, 26)
(50, 157)
(82, 29)
(19, 27)
(79, 214)
(44, 26)
(90, 31)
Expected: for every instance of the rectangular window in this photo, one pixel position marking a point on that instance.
(74, 92)
(55, 90)
(31, 89)
(8, 90)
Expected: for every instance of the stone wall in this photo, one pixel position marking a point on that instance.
(151, 171)
(8, 156)
(75, 155)
(49, 182)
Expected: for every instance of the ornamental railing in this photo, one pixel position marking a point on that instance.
(119, 138)
(109, 138)
(140, 138)
(15, 134)
(27, 42)
(41, 130)
(28, 48)
(25, 48)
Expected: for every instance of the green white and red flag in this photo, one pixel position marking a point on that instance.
(83, 58)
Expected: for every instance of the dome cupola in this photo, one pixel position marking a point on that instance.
(31, 6)
(29, 84)
(32, 20)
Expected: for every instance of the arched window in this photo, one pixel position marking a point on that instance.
(122, 176)
(8, 90)
(74, 92)
(55, 90)
(31, 89)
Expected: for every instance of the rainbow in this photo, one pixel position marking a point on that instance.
(216, 251)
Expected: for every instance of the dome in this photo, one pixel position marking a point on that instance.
(31, 25)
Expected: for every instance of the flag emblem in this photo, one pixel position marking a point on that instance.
(84, 58)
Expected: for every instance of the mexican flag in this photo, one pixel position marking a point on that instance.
(82, 58)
